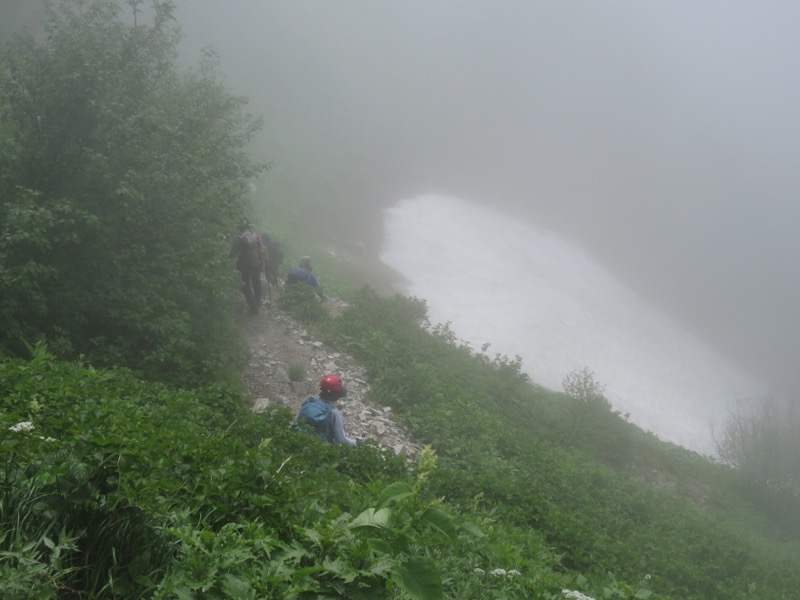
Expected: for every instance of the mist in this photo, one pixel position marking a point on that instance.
(662, 138)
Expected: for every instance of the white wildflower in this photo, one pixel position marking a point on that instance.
(498, 572)
(478, 571)
(514, 573)
(575, 595)
(648, 576)
(22, 426)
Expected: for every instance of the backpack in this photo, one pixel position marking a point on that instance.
(316, 413)
(250, 250)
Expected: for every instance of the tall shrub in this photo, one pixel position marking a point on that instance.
(120, 181)
(761, 441)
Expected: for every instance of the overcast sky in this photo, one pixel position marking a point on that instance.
(663, 136)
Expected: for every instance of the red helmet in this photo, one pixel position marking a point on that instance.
(333, 384)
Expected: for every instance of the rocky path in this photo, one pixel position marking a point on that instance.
(279, 346)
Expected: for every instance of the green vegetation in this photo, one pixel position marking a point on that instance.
(297, 372)
(120, 181)
(300, 300)
(761, 439)
(95, 497)
(96, 501)
(611, 499)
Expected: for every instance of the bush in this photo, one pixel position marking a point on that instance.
(116, 488)
(121, 180)
(301, 302)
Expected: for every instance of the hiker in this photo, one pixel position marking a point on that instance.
(250, 257)
(301, 273)
(323, 417)
(274, 258)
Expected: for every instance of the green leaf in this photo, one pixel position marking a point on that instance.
(313, 535)
(420, 579)
(380, 546)
(441, 521)
(184, 593)
(394, 492)
(372, 518)
(234, 587)
(472, 529)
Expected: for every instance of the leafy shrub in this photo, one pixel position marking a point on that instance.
(112, 487)
(117, 198)
(592, 423)
(586, 400)
(101, 469)
(300, 301)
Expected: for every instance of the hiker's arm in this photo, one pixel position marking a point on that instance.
(337, 429)
(315, 284)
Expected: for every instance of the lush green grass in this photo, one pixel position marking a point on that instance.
(117, 488)
(612, 499)
(120, 488)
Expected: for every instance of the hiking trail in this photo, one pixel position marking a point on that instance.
(279, 344)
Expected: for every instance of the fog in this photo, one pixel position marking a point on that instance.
(660, 137)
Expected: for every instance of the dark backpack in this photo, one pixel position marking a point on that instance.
(316, 413)
(250, 250)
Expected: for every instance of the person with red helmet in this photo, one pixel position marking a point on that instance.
(322, 416)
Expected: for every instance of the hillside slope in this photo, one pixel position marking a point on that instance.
(279, 346)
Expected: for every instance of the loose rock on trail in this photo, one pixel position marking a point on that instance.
(279, 345)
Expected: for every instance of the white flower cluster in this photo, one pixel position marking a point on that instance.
(497, 572)
(575, 595)
(22, 426)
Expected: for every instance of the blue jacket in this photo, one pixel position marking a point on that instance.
(298, 274)
(329, 425)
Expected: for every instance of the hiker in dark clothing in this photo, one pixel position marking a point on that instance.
(250, 255)
(323, 417)
(302, 274)
(275, 258)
